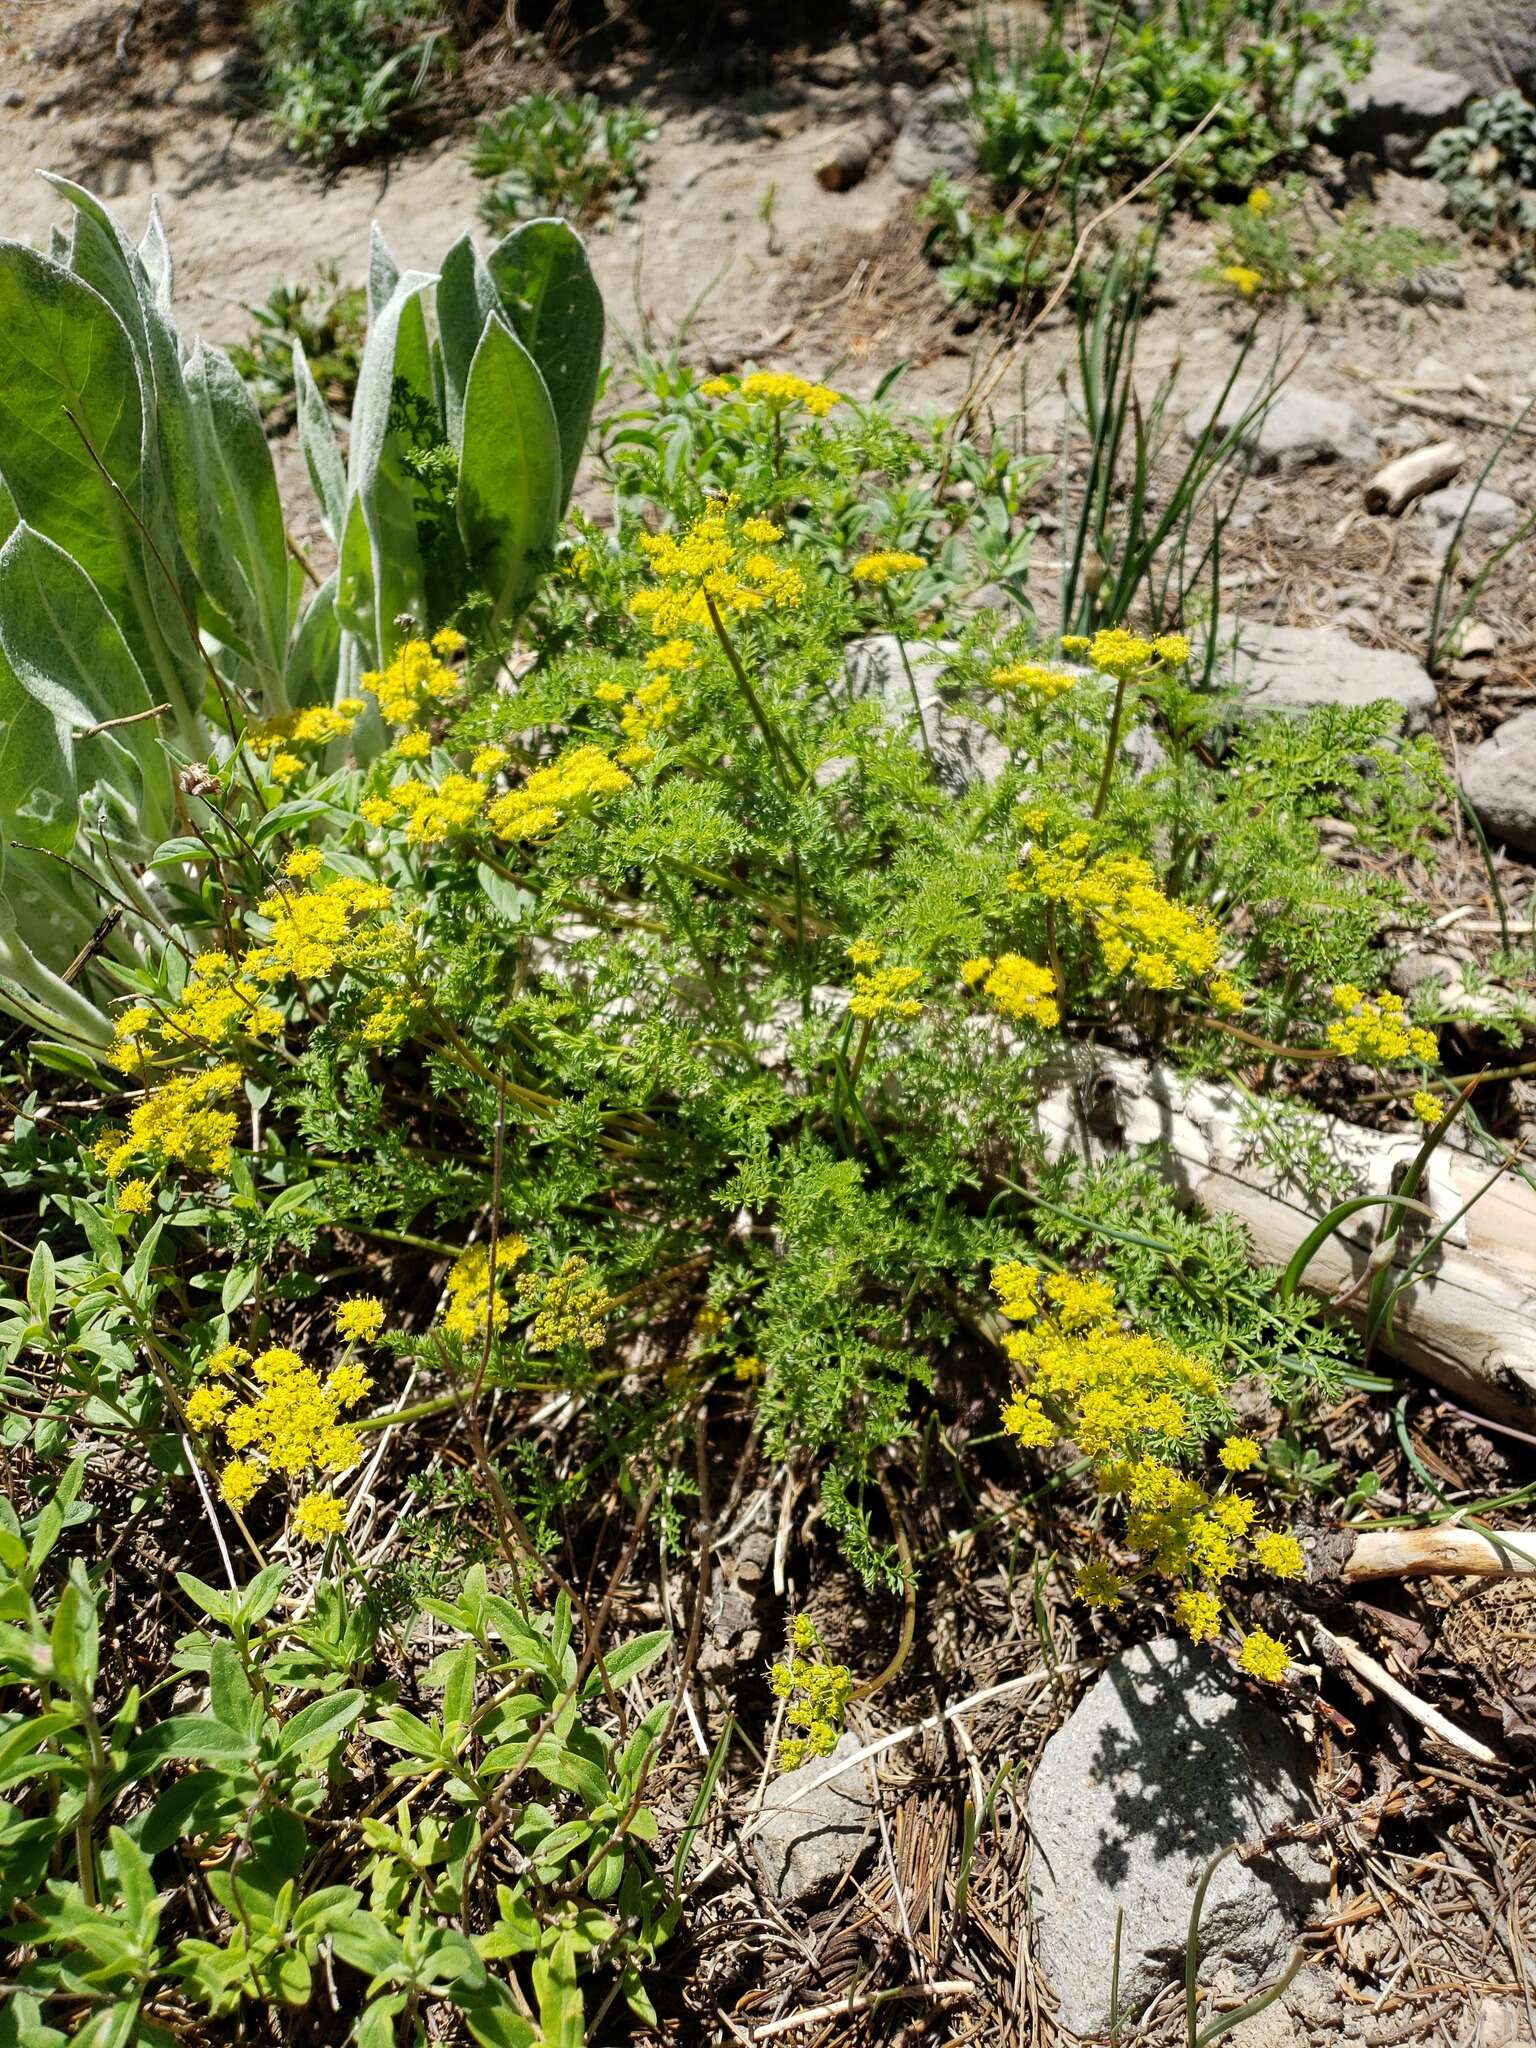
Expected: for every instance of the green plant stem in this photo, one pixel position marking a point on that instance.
(1112, 747)
(779, 749)
(901, 649)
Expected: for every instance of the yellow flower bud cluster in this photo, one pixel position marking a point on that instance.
(1133, 1404)
(569, 1308)
(716, 560)
(880, 567)
(417, 678)
(1020, 988)
(778, 388)
(470, 1296)
(291, 1422)
(219, 1003)
(1115, 652)
(883, 993)
(178, 1123)
(1033, 679)
(315, 726)
(580, 776)
(817, 1695)
(1374, 1029)
(1137, 929)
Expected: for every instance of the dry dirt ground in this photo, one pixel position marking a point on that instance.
(1426, 1937)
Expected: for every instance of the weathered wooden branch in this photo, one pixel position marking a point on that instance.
(1411, 476)
(1468, 1320)
(1365, 1666)
(1420, 1553)
(848, 160)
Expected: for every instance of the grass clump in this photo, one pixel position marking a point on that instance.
(329, 320)
(553, 153)
(346, 77)
(1280, 243)
(1201, 97)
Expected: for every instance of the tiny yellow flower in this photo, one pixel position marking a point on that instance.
(1279, 1554)
(748, 1368)
(863, 953)
(1239, 1453)
(487, 760)
(975, 969)
(206, 1404)
(303, 862)
(414, 746)
(240, 1481)
(1260, 200)
(1264, 1657)
(763, 531)
(1426, 1107)
(448, 641)
(1098, 1585)
(376, 810)
(136, 1198)
(1243, 278)
(318, 1516)
(360, 1318)
(1198, 1614)
(716, 387)
(285, 766)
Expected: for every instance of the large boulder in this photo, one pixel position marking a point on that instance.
(1498, 779)
(1163, 1763)
(1296, 428)
(1431, 57)
(1301, 668)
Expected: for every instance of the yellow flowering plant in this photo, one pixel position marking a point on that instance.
(613, 1035)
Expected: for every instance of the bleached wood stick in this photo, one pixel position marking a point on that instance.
(1394, 488)
(1468, 1321)
(1417, 1553)
(1365, 1666)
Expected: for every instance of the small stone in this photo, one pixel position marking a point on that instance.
(811, 1835)
(1299, 668)
(1163, 1763)
(936, 135)
(1296, 428)
(1498, 779)
(1491, 516)
(1475, 640)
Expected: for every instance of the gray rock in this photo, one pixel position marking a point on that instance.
(963, 750)
(1296, 428)
(1298, 668)
(1498, 779)
(1162, 1764)
(1488, 43)
(1399, 104)
(936, 135)
(812, 1835)
(1492, 518)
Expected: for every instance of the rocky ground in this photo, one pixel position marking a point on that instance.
(1107, 1779)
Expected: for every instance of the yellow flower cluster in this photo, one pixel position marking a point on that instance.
(582, 775)
(885, 563)
(778, 388)
(1428, 1108)
(1243, 278)
(470, 1297)
(570, 1308)
(715, 560)
(1114, 651)
(218, 1003)
(817, 1696)
(178, 1123)
(1020, 988)
(315, 726)
(360, 1319)
(1260, 199)
(318, 1516)
(435, 811)
(883, 993)
(1164, 944)
(417, 678)
(1374, 1028)
(291, 1423)
(317, 930)
(1034, 680)
(1133, 1403)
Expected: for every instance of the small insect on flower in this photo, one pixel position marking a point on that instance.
(1262, 1656)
